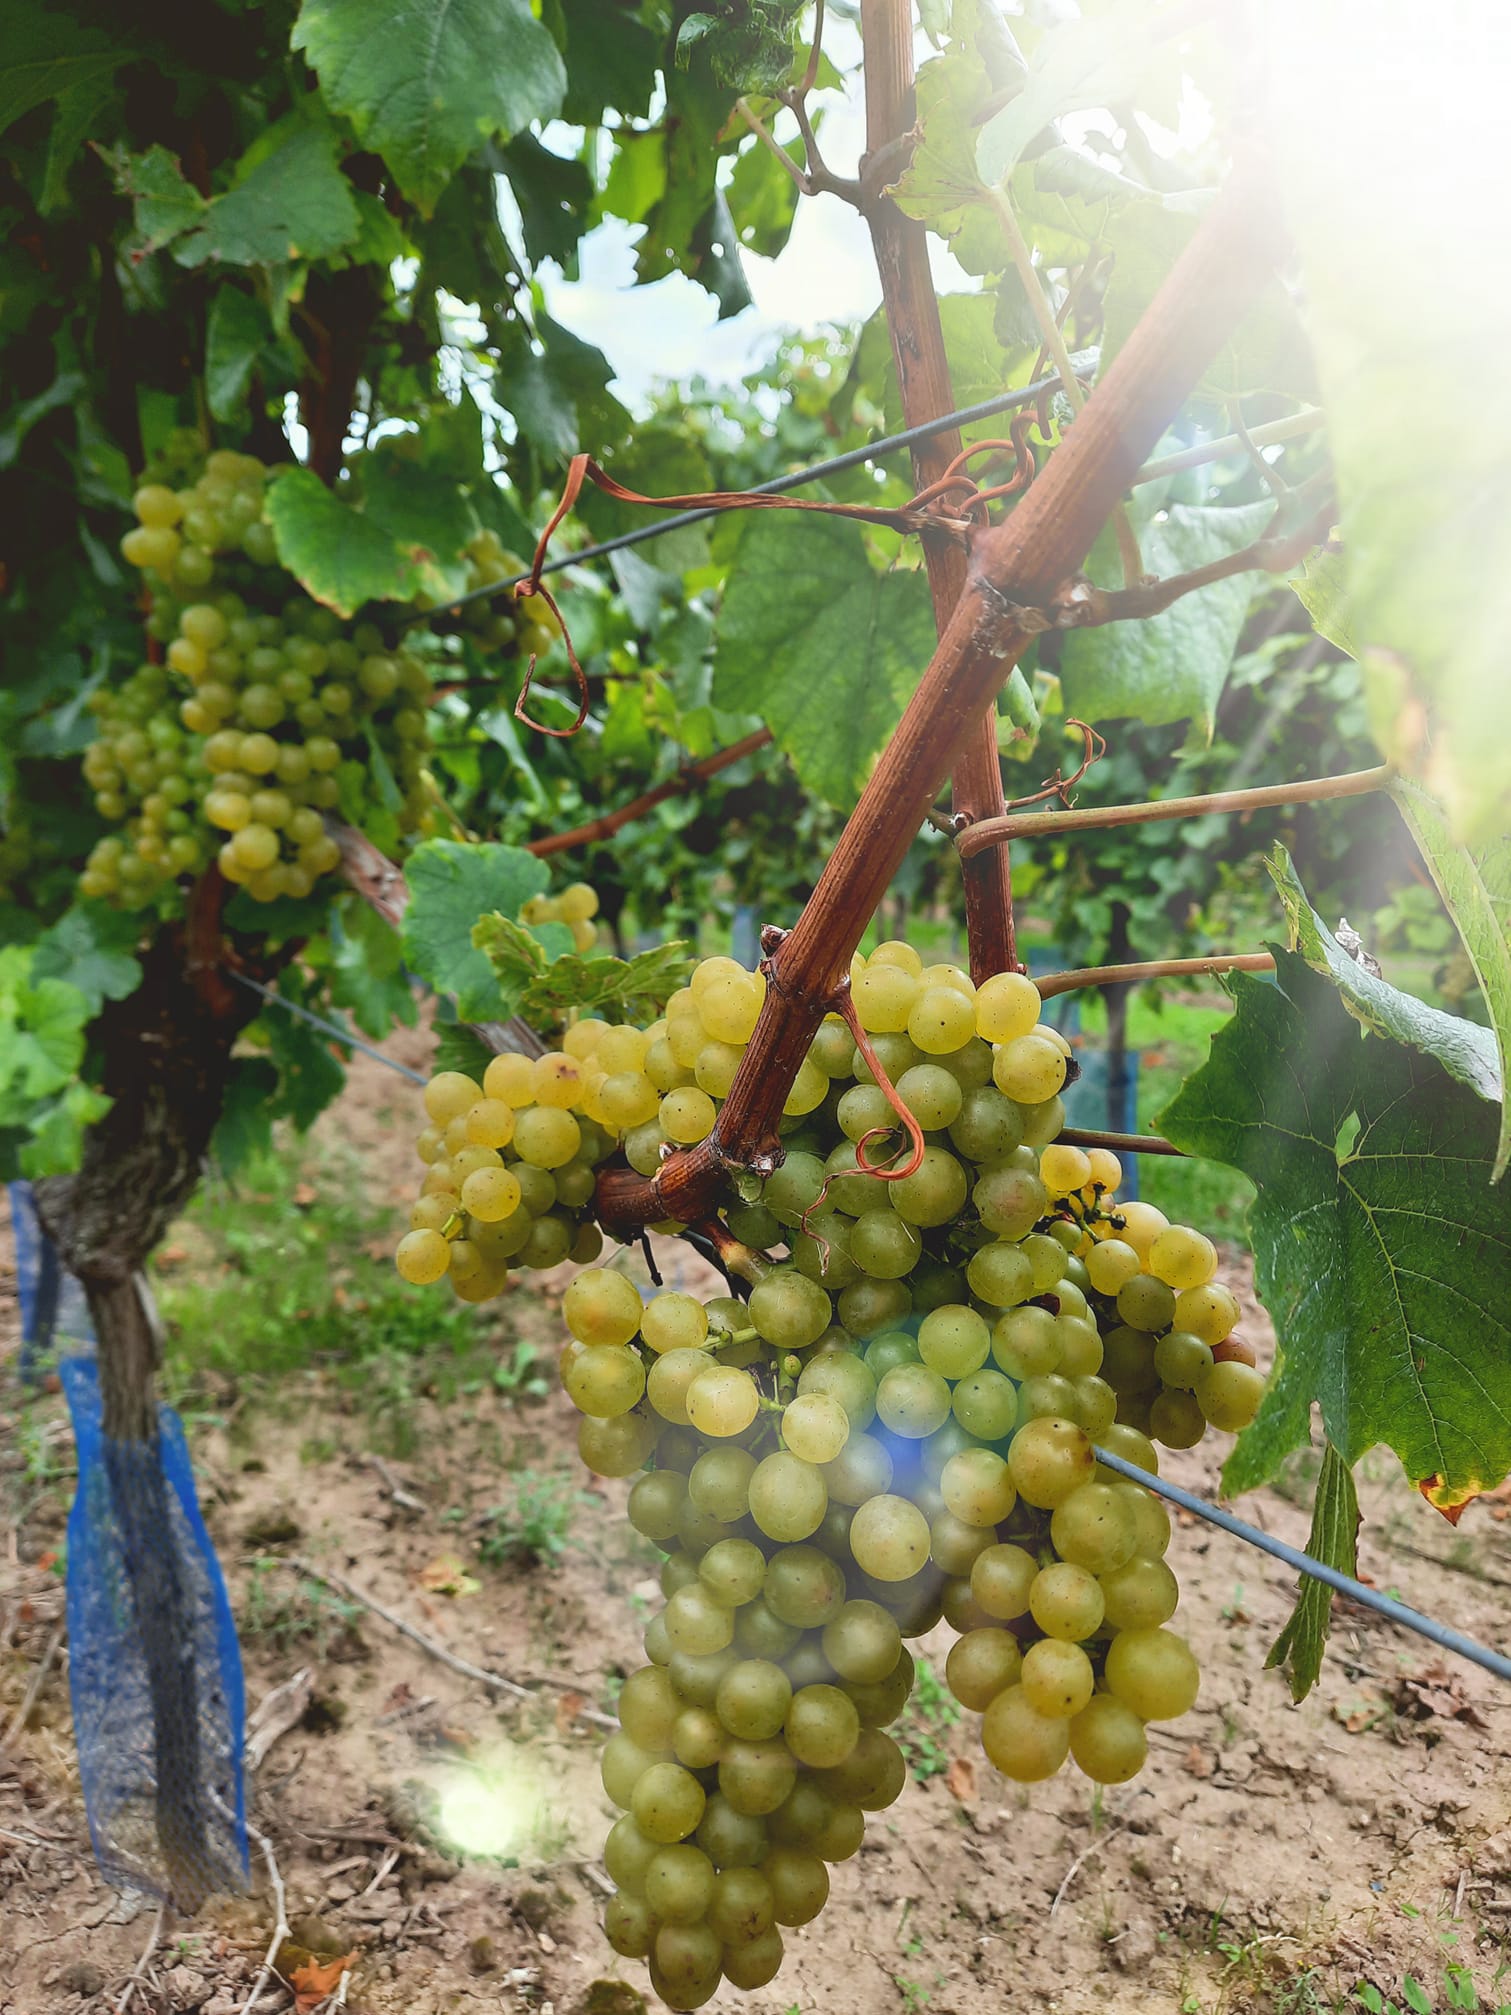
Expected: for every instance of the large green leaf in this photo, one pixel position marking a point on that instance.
(1475, 884)
(1076, 64)
(1464, 1049)
(1334, 1541)
(450, 887)
(1322, 590)
(91, 947)
(1384, 1263)
(236, 334)
(44, 1107)
(1173, 666)
(289, 201)
(822, 646)
(407, 535)
(941, 185)
(367, 973)
(44, 54)
(425, 84)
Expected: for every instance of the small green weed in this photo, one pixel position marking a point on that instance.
(283, 1611)
(1459, 1994)
(930, 1714)
(534, 1527)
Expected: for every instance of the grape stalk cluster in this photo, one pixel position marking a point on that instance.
(266, 713)
(898, 1427)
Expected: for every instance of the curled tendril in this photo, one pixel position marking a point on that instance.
(1059, 785)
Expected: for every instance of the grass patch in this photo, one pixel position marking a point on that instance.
(288, 1270)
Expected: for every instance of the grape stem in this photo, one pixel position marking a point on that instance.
(1090, 818)
(1050, 984)
(1121, 1143)
(1023, 559)
(923, 377)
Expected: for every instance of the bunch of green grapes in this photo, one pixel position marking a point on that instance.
(232, 750)
(510, 1172)
(575, 907)
(526, 627)
(902, 1422)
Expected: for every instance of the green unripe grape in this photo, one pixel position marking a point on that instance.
(1139, 1595)
(1002, 1578)
(845, 1378)
(755, 1777)
(729, 1838)
(1229, 1395)
(891, 1348)
(862, 1642)
(733, 1571)
(790, 1311)
(1010, 1201)
(981, 1664)
(753, 1700)
(1107, 1740)
(718, 1482)
(1146, 1303)
(988, 1126)
(913, 1401)
(815, 1427)
(722, 1401)
(889, 1538)
(978, 1488)
(862, 1469)
(1066, 1601)
(1019, 1741)
(604, 1380)
(655, 1502)
(1057, 1678)
(1026, 1342)
(1176, 1420)
(953, 1341)
(934, 1193)
(546, 1136)
(884, 1245)
(1093, 1528)
(1154, 1672)
(986, 1404)
(822, 1726)
(742, 1908)
(788, 1497)
(1001, 1274)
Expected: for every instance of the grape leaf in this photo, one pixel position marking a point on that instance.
(451, 885)
(91, 946)
(1475, 884)
(44, 1108)
(367, 974)
(1464, 1049)
(822, 646)
(543, 990)
(1334, 1541)
(1383, 1263)
(941, 185)
(425, 86)
(310, 1074)
(291, 201)
(1322, 590)
(458, 1047)
(235, 335)
(45, 54)
(1173, 666)
(412, 524)
(245, 1126)
(1076, 64)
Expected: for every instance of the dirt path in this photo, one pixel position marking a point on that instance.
(1269, 1858)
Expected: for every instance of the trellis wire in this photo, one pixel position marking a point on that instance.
(330, 1028)
(1292, 1556)
(1344, 1584)
(853, 458)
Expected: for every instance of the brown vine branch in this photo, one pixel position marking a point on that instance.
(1080, 605)
(1050, 984)
(686, 779)
(1020, 561)
(1092, 818)
(926, 391)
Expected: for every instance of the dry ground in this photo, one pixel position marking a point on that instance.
(1270, 1858)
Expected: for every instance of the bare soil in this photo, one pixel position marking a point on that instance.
(1270, 1858)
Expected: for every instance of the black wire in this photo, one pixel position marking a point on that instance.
(330, 1028)
(1334, 1577)
(853, 458)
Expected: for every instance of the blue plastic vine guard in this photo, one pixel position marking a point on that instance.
(155, 1677)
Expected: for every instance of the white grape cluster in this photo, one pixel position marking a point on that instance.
(897, 1428)
(575, 906)
(233, 750)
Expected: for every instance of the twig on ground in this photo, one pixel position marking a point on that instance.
(34, 1691)
(139, 1971)
(406, 1499)
(495, 1681)
(1091, 1847)
(385, 1868)
(281, 1922)
(592, 1873)
(276, 1713)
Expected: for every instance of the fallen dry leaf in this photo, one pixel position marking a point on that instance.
(1198, 1762)
(172, 1255)
(317, 1978)
(1435, 1692)
(961, 1778)
(568, 1707)
(304, 1193)
(447, 1575)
